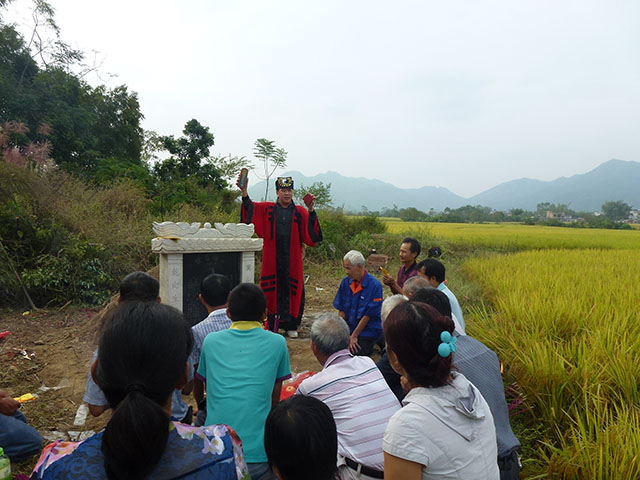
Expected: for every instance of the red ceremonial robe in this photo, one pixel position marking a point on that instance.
(304, 229)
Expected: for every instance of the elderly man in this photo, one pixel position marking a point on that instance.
(409, 251)
(357, 395)
(285, 227)
(358, 301)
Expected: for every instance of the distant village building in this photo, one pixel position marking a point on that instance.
(560, 216)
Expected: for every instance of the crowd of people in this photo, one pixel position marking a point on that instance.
(432, 407)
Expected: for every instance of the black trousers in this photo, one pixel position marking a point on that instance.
(509, 466)
(286, 321)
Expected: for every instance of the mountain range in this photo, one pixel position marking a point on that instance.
(612, 180)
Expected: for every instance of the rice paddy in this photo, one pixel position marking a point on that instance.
(514, 237)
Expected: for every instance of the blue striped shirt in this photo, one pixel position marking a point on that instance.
(216, 321)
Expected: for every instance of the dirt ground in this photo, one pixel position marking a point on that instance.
(49, 351)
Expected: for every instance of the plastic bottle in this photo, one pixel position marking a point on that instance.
(5, 466)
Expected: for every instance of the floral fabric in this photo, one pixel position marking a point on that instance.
(192, 453)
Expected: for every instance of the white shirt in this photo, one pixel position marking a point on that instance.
(361, 403)
(448, 429)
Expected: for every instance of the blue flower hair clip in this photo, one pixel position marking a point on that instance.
(448, 345)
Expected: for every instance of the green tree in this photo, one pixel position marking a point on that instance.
(320, 190)
(616, 210)
(190, 157)
(85, 125)
(271, 157)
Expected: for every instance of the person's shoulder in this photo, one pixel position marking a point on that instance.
(273, 337)
(371, 279)
(216, 337)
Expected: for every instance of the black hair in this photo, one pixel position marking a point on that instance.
(139, 286)
(215, 289)
(412, 331)
(247, 302)
(414, 245)
(432, 268)
(435, 298)
(142, 354)
(301, 440)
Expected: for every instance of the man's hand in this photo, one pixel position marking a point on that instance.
(388, 280)
(243, 190)
(8, 405)
(309, 201)
(354, 346)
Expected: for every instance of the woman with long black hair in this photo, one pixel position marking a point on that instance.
(142, 358)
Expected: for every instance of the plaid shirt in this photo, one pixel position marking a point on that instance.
(216, 321)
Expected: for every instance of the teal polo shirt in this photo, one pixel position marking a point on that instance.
(240, 367)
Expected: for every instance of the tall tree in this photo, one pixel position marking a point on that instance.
(616, 210)
(271, 157)
(190, 157)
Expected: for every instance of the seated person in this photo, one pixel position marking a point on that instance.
(357, 395)
(300, 440)
(358, 302)
(136, 287)
(214, 294)
(138, 368)
(19, 440)
(434, 271)
(480, 365)
(420, 283)
(389, 375)
(445, 428)
(243, 368)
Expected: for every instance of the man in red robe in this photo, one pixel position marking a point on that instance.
(285, 227)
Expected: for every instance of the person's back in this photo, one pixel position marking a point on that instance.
(243, 368)
(445, 428)
(480, 365)
(138, 368)
(356, 393)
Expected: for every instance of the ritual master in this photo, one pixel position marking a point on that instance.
(285, 228)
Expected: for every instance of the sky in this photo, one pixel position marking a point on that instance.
(458, 94)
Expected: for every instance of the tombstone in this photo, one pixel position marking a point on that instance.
(188, 253)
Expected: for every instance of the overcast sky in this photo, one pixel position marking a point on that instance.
(459, 94)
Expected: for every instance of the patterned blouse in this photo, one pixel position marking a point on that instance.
(192, 453)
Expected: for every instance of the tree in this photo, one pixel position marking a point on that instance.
(271, 158)
(320, 190)
(190, 157)
(86, 125)
(616, 210)
(229, 166)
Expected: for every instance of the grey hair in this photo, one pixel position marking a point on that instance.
(413, 284)
(390, 303)
(330, 334)
(354, 257)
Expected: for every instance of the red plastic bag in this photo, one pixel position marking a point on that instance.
(289, 387)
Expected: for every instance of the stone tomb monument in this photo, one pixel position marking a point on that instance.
(188, 253)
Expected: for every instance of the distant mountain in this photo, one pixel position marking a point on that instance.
(613, 180)
(354, 193)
